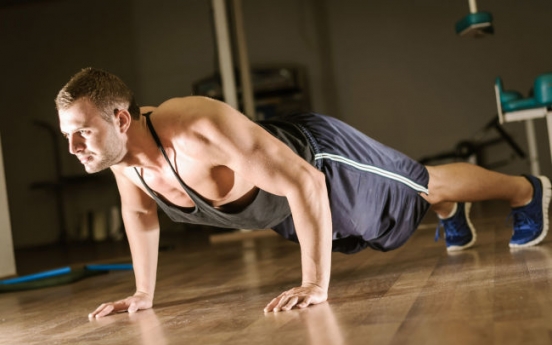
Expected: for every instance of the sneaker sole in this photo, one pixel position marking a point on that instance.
(546, 194)
(467, 208)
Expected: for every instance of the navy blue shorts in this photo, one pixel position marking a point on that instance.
(373, 189)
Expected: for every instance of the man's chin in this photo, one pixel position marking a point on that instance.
(93, 169)
(96, 165)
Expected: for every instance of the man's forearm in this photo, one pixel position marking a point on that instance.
(143, 237)
(145, 262)
(316, 249)
(313, 223)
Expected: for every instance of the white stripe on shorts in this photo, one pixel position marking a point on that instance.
(375, 170)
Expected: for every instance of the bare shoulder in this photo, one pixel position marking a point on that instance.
(202, 128)
(124, 175)
(134, 198)
(195, 116)
(195, 108)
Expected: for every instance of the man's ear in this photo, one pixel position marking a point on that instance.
(123, 120)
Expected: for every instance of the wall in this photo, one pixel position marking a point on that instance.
(406, 78)
(43, 44)
(396, 70)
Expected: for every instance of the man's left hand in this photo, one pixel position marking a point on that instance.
(300, 297)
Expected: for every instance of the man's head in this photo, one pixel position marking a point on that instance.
(105, 90)
(95, 111)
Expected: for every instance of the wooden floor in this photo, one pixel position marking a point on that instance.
(215, 293)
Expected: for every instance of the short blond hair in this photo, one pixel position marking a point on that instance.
(105, 90)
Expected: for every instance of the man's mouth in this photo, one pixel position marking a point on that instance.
(85, 159)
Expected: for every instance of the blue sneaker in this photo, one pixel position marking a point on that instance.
(459, 231)
(531, 221)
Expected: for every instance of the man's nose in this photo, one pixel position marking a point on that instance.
(75, 144)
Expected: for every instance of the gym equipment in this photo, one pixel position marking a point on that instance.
(58, 276)
(278, 90)
(475, 24)
(512, 106)
(472, 150)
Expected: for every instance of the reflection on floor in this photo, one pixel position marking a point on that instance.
(213, 293)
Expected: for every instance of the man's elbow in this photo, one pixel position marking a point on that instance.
(312, 182)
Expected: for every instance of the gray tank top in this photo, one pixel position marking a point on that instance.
(264, 212)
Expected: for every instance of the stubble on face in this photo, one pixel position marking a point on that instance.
(109, 152)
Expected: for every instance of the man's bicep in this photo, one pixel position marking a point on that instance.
(133, 198)
(139, 210)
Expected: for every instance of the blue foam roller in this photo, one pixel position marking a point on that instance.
(108, 267)
(37, 276)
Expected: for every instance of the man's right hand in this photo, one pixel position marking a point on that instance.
(130, 304)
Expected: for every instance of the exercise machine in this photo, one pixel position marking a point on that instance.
(512, 106)
(476, 23)
(473, 150)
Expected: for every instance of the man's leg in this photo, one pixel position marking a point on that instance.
(453, 186)
(466, 182)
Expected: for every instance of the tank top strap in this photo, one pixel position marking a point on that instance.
(187, 189)
(156, 137)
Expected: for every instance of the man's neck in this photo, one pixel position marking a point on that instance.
(142, 151)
